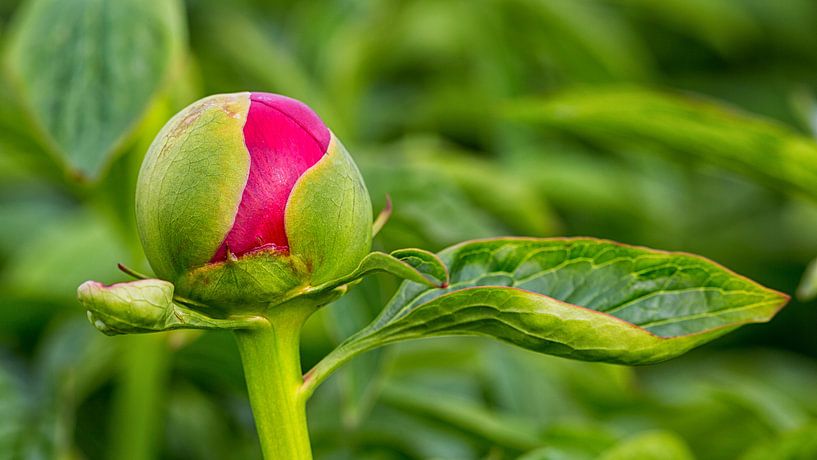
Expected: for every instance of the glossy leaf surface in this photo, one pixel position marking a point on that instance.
(577, 297)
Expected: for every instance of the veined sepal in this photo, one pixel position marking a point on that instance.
(148, 305)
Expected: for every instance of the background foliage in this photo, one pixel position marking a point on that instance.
(685, 125)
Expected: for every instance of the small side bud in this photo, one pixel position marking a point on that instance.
(138, 306)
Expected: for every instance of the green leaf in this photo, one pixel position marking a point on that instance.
(791, 445)
(443, 196)
(585, 41)
(359, 383)
(501, 429)
(515, 203)
(691, 128)
(725, 25)
(427, 263)
(412, 264)
(580, 298)
(145, 306)
(59, 252)
(88, 70)
(656, 445)
(807, 290)
(13, 413)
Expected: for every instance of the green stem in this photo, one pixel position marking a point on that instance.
(272, 369)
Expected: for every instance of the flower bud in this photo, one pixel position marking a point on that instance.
(245, 198)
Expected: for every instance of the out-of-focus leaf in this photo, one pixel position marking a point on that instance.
(692, 128)
(807, 290)
(771, 386)
(390, 434)
(22, 155)
(718, 400)
(724, 24)
(55, 261)
(88, 69)
(441, 197)
(655, 445)
(515, 203)
(800, 444)
(359, 383)
(585, 40)
(29, 210)
(429, 210)
(550, 389)
(246, 59)
(501, 429)
(13, 412)
(554, 453)
(72, 361)
(200, 427)
(579, 298)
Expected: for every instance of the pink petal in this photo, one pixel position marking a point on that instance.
(284, 138)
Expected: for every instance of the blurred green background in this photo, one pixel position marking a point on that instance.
(677, 124)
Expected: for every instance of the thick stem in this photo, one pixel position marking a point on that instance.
(272, 369)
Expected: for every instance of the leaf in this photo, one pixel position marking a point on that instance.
(691, 128)
(60, 251)
(443, 196)
(725, 25)
(580, 298)
(515, 203)
(412, 264)
(807, 290)
(429, 209)
(585, 41)
(198, 428)
(655, 445)
(426, 263)
(13, 413)
(500, 429)
(791, 445)
(88, 70)
(359, 383)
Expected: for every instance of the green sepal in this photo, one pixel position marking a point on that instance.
(249, 284)
(147, 306)
(329, 217)
(191, 182)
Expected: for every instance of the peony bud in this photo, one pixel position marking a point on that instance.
(245, 198)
